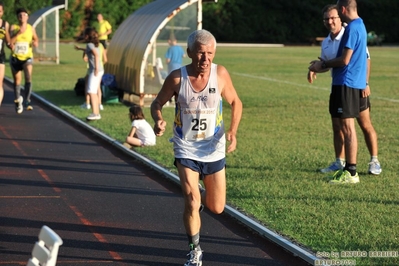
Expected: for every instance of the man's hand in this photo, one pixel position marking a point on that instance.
(159, 127)
(366, 92)
(233, 142)
(311, 76)
(316, 66)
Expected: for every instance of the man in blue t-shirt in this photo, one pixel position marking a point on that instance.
(349, 82)
(174, 55)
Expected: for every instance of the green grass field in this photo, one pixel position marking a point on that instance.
(284, 137)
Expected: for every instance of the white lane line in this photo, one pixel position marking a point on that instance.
(305, 85)
(281, 81)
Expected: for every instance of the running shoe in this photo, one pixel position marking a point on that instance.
(375, 167)
(195, 258)
(18, 105)
(201, 189)
(333, 167)
(28, 106)
(92, 117)
(335, 175)
(85, 106)
(344, 177)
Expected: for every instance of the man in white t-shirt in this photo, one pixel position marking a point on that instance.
(329, 48)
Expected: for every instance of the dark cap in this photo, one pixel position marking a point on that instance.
(21, 10)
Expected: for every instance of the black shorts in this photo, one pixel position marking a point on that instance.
(18, 65)
(203, 168)
(2, 58)
(344, 102)
(364, 102)
(104, 43)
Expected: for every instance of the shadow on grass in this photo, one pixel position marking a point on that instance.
(61, 97)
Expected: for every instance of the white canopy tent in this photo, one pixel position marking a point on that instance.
(136, 38)
(46, 23)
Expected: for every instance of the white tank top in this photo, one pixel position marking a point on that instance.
(198, 127)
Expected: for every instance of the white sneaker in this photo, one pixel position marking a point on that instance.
(92, 117)
(195, 258)
(18, 105)
(375, 167)
(101, 107)
(333, 167)
(85, 106)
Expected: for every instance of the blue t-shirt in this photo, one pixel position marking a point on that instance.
(175, 54)
(354, 74)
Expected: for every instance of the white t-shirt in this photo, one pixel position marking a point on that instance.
(329, 47)
(144, 132)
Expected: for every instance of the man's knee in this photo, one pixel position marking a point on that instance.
(216, 208)
(364, 122)
(215, 204)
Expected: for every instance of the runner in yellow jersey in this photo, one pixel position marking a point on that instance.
(104, 29)
(23, 38)
(4, 41)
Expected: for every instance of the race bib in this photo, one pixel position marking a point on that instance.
(198, 124)
(21, 48)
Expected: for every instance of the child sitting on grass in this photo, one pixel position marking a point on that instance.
(141, 133)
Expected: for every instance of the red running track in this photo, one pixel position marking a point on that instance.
(108, 208)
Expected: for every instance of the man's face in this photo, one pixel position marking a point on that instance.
(332, 21)
(202, 56)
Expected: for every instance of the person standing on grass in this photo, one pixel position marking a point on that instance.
(174, 55)
(141, 133)
(104, 29)
(95, 72)
(329, 49)
(349, 79)
(103, 60)
(199, 137)
(22, 38)
(4, 41)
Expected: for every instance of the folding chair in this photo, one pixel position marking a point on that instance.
(45, 251)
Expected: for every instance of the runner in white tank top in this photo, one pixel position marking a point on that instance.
(199, 137)
(198, 128)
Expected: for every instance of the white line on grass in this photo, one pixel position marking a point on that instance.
(304, 85)
(281, 81)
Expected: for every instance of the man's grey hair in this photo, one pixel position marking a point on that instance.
(203, 37)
